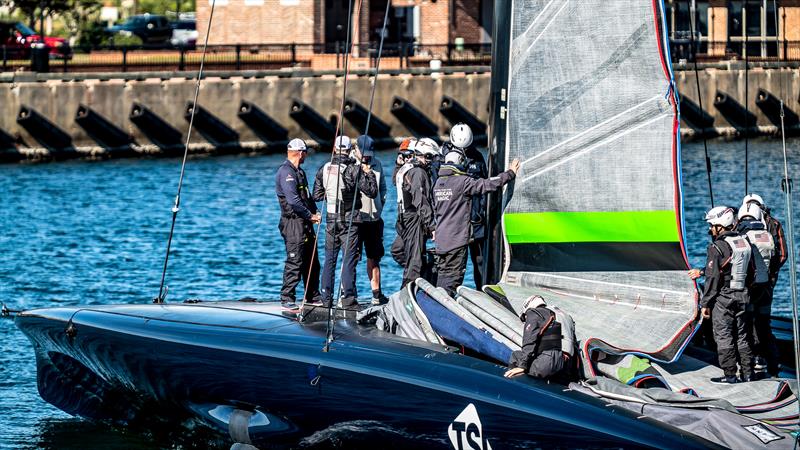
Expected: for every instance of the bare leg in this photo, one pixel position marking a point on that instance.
(374, 274)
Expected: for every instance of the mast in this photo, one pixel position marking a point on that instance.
(501, 44)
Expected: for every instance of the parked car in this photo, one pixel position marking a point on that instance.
(16, 39)
(150, 28)
(184, 33)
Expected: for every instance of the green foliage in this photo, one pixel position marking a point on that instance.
(163, 6)
(125, 41)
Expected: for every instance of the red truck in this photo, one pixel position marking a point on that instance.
(16, 39)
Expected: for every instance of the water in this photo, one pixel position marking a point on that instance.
(95, 233)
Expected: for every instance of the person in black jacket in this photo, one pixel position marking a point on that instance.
(475, 166)
(728, 273)
(415, 212)
(298, 216)
(454, 194)
(339, 184)
(541, 355)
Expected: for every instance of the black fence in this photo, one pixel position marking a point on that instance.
(332, 56)
(247, 57)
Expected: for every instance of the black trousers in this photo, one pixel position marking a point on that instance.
(451, 267)
(336, 237)
(476, 255)
(764, 343)
(301, 259)
(731, 332)
(409, 246)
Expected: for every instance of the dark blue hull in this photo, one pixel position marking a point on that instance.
(141, 364)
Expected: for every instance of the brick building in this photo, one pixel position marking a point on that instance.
(324, 22)
(724, 29)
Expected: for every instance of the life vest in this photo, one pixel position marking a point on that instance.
(559, 333)
(371, 208)
(334, 187)
(765, 245)
(740, 261)
(398, 183)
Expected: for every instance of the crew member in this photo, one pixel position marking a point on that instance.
(543, 354)
(475, 167)
(298, 216)
(415, 211)
(725, 295)
(776, 230)
(453, 195)
(339, 184)
(371, 229)
(765, 347)
(405, 153)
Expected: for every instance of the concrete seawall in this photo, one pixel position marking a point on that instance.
(59, 99)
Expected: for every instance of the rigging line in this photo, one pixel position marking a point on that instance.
(176, 207)
(329, 337)
(746, 103)
(787, 183)
(339, 126)
(692, 22)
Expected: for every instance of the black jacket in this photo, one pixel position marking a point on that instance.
(453, 198)
(416, 196)
(718, 271)
(541, 333)
(366, 185)
(291, 187)
(476, 168)
(781, 254)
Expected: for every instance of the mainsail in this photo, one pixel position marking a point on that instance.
(595, 220)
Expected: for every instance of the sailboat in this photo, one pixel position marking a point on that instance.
(583, 94)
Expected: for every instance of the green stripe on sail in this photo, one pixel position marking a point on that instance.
(604, 226)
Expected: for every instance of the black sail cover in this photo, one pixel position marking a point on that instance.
(595, 221)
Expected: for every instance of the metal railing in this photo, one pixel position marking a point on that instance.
(247, 57)
(331, 56)
(736, 48)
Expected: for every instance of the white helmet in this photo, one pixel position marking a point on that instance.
(754, 198)
(427, 146)
(342, 144)
(721, 215)
(461, 135)
(534, 301)
(454, 157)
(751, 210)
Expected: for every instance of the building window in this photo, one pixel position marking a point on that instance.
(752, 29)
(679, 27)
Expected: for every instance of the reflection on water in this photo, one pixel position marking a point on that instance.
(77, 233)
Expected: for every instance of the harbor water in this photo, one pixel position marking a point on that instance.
(95, 233)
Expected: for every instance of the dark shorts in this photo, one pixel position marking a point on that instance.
(372, 237)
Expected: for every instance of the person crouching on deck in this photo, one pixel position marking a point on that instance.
(547, 344)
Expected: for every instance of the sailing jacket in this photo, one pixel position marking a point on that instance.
(372, 207)
(291, 187)
(762, 246)
(453, 198)
(541, 333)
(476, 168)
(720, 265)
(337, 180)
(416, 199)
(781, 254)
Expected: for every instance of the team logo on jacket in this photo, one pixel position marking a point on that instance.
(466, 431)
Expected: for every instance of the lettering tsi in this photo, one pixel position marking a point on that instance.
(466, 431)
